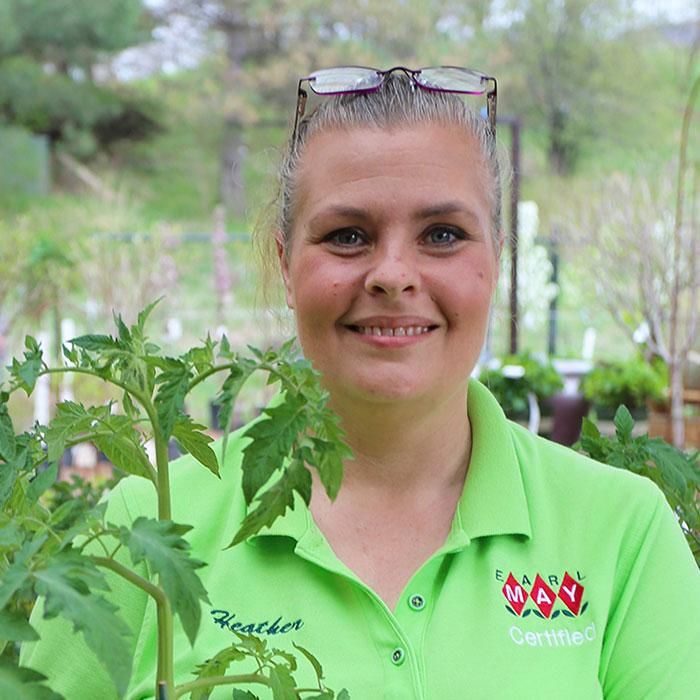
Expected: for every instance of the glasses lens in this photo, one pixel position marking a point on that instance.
(331, 81)
(452, 79)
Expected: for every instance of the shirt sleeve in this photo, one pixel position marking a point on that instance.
(651, 641)
(61, 654)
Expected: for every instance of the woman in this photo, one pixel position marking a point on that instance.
(464, 557)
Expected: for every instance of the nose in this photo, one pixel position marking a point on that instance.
(393, 272)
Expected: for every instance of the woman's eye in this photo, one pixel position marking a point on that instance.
(346, 237)
(445, 235)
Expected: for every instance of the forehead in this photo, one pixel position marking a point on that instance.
(408, 167)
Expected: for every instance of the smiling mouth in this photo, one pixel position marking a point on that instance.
(399, 331)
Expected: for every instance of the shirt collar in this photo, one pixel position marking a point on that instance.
(493, 501)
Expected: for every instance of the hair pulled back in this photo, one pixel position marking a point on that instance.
(397, 104)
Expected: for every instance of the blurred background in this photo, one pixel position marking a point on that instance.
(139, 141)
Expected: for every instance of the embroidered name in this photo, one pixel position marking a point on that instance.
(225, 619)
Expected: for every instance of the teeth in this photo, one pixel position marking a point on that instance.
(396, 332)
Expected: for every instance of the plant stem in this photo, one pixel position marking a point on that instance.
(207, 373)
(165, 671)
(155, 592)
(181, 690)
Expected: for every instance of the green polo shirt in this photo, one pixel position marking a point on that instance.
(560, 578)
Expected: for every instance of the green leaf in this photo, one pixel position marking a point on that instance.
(343, 695)
(42, 482)
(11, 536)
(567, 613)
(272, 440)
(555, 614)
(273, 502)
(160, 544)
(15, 627)
(325, 695)
(527, 612)
(216, 666)
(97, 343)
(8, 444)
(318, 669)
(510, 610)
(66, 583)
(27, 372)
(282, 684)
(243, 695)
(121, 442)
(188, 435)
(623, 424)
(20, 683)
(143, 315)
(124, 334)
(226, 399)
(8, 476)
(170, 399)
(538, 613)
(16, 576)
(583, 608)
(71, 420)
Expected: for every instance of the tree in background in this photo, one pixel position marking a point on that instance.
(50, 55)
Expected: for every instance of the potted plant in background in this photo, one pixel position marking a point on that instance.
(633, 383)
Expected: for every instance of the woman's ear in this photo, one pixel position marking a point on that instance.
(284, 267)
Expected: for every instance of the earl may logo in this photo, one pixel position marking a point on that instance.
(542, 595)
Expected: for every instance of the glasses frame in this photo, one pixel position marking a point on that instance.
(491, 94)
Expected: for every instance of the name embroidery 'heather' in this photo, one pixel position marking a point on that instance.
(224, 618)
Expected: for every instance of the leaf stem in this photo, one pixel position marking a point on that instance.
(155, 592)
(181, 690)
(208, 373)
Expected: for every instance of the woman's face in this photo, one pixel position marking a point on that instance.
(392, 262)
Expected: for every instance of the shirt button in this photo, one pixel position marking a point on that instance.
(398, 656)
(416, 602)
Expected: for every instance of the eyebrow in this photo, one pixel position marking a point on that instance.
(429, 212)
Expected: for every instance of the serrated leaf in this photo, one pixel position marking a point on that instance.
(273, 502)
(66, 583)
(97, 343)
(71, 420)
(192, 440)
(17, 574)
(124, 334)
(122, 445)
(226, 400)
(623, 424)
(160, 544)
(8, 442)
(71, 354)
(8, 476)
(282, 684)
(143, 315)
(318, 669)
(43, 481)
(272, 440)
(216, 666)
(15, 627)
(20, 683)
(243, 695)
(589, 429)
(11, 536)
(170, 399)
(28, 372)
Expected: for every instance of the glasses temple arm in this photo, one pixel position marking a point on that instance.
(299, 112)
